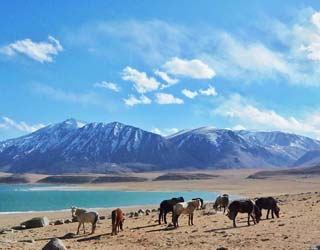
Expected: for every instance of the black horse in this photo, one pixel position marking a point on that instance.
(268, 203)
(201, 202)
(244, 206)
(166, 206)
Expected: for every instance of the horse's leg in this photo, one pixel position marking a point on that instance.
(165, 217)
(78, 227)
(234, 222)
(160, 216)
(268, 214)
(272, 210)
(84, 229)
(192, 219)
(254, 221)
(224, 209)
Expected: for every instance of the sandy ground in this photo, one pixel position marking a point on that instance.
(297, 228)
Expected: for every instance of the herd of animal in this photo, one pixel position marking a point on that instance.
(177, 206)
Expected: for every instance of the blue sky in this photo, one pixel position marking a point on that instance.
(161, 65)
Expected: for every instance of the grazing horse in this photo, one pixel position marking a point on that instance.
(201, 202)
(244, 206)
(221, 201)
(185, 208)
(166, 206)
(118, 218)
(268, 203)
(85, 217)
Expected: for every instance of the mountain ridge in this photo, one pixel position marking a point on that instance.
(74, 146)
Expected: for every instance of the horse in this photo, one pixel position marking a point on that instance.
(244, 206)
(185, 208)
(83, 216)
(268, 203)
(118, 218)
(201, 202)
(166, 206)
(221, 201)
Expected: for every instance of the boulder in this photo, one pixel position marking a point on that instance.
(148, 211)
(54, 244)
(141, 211)
(69, 221)
(59, 222)
(154, 210)
(136, 214)
(101, 217)
(36, 222)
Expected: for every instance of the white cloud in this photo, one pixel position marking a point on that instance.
(132, 100)
(107, 85)
(165, 132)
(191, 68)
(247, 61)
(163, 98)
(164, 76)
(141, 82)
(210, 91)
(237, 108)
(190, 94)
(22, 126)
(39, 51)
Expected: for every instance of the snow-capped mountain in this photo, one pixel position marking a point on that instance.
(73, 146)
(222, 148)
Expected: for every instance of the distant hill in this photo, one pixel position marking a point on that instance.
(78, 147)
(14, 179)
(184, 176)
(82, 179)
(315, 170)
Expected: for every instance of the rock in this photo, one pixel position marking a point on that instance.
(69, 236)
(59, 222)
(222, 248)
(148, 211)
(54, 244)
(36, 222)
(21, 227)
(136, 214)
(154, 210)
(141, 211)
(7, 231)
(67, 221)
(101, 217)
(315, 247)
(74, 219)
(28, 241)
(265, 239)
(281, 224)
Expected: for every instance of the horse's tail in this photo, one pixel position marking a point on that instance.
(96, 219)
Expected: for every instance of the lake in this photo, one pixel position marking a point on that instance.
(26, 198)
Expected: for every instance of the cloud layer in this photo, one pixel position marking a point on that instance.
(39, 51)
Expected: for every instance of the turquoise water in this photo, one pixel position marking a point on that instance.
(23, 198)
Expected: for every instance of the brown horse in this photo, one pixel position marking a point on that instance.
(244, 206)
(118, 218)
(221, 201)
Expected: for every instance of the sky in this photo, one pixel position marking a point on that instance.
(161, 65)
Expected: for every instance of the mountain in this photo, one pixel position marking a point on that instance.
(77, 147)
(221, 148)
(310, 158)
(73, 146)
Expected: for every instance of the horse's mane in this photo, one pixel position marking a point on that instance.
(80, 211)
